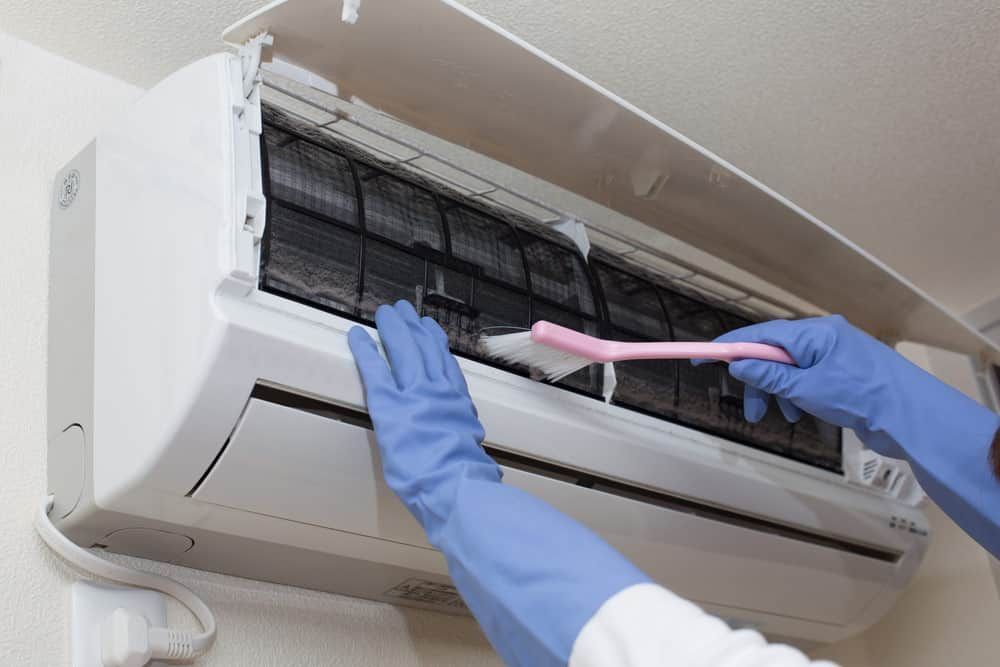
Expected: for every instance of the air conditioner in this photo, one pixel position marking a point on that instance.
(210, 251)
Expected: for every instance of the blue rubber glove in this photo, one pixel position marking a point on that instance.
(848, 378)
(531, 575)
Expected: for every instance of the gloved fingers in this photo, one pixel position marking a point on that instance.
(754, 403)
(807, 340)
(792, 412)
(437, 347)
(699, 362)
(776, 332)
(768, 376)
(426, 343)
(404, 355)
(773, 332)
(372, 367)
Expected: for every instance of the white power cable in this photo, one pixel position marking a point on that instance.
(162, 643)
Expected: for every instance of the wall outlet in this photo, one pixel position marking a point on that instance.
(92, 603)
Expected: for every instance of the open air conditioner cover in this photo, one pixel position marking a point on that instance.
(442, 69)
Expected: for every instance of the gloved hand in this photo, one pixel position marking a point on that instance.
(531, 575)
(848, 378)
(425, 422)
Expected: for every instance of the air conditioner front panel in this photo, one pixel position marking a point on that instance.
(304, 467)
(291, 464)
(299, 348)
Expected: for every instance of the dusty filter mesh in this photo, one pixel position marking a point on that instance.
(347, 233)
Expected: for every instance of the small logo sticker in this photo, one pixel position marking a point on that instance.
(70, 186)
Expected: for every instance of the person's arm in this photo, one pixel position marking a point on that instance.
(545, 589)
(848, 378)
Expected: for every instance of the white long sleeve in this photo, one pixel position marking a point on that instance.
(648, 626)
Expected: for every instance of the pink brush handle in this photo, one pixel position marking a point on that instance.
(596, 349)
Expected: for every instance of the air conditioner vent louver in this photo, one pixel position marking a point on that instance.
(568, 475)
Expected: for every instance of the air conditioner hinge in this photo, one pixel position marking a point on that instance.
(250, 202)
(254, 51)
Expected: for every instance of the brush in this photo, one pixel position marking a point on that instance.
(555, 352)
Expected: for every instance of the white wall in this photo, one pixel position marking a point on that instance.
(49, 109)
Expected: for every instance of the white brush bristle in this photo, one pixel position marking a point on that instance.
(518, 348)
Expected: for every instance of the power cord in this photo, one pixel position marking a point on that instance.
(127, 640)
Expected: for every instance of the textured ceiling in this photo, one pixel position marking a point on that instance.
(882, 119)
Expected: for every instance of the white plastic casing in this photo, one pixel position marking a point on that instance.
(159, 336)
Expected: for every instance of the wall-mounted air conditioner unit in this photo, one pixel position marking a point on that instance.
(211, 250)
